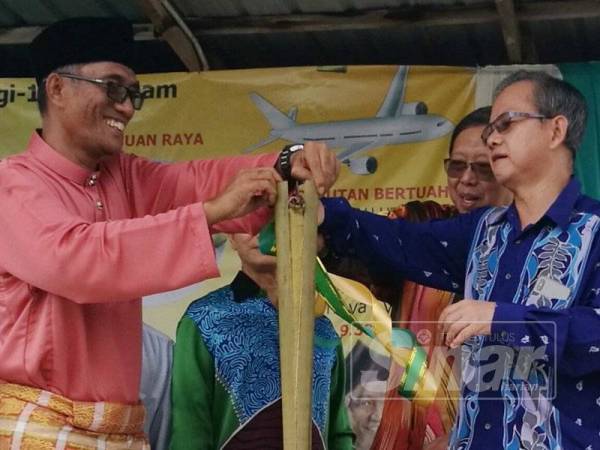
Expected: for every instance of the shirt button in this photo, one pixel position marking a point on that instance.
(508, 276)
(518, 241)
(99, 205)
(487, 426)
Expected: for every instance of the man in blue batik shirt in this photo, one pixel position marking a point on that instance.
(528, 330)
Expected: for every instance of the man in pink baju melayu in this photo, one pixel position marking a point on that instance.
(87, 230)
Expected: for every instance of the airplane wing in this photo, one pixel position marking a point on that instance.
(260, 144)
(355, 149)
(395, 95)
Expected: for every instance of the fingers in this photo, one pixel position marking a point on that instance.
(465, 333)
(260, 183)
(266, 173)
(447, 317)
(445, 312)
(320, 214)
(318, 163)
(465, 319)
(314, 154)
(454, 330)
(273, 172)
(449, 322)
(247, 191)
(256, 185)
(264, 193)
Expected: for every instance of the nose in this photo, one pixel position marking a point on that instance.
(126, 108)
(468, 176)
(377, 412)
(493, 139)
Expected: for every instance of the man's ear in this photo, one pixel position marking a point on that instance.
(559, 130)
(55, 89)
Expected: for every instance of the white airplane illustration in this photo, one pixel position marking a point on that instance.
(396, 122)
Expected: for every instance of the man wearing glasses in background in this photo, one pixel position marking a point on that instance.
(528, 329)
(471, 181)
(87, 230)
(404, 424)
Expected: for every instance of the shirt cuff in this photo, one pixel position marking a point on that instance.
(337, 210)
(204, 242)
(508, 324)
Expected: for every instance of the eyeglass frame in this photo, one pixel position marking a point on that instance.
(135, 95)
(482, 176)
(510, 117)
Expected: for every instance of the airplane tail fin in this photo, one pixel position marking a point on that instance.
(392, 104)
(293, 112)
(276, 118)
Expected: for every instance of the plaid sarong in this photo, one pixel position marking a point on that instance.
(34, 419)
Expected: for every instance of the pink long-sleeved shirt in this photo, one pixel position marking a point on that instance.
(77, 251)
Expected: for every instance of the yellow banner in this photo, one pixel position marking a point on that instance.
(390, 125)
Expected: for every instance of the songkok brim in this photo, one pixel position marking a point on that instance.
(81, 40)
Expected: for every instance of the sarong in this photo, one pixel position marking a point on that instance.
(35, 419)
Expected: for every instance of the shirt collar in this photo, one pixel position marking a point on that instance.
(56, 162)
(559, 212)
(244, 287)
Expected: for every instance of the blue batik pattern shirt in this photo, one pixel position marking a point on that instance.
(545, 280)
(243, 339)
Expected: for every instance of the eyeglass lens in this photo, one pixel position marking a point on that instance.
(504, 121)
(455, 168)
(501, 124)
(119, 93)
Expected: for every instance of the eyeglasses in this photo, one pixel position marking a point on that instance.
(504, 120)
(115, 91)
(455, 168)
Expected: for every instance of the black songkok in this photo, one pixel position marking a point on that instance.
(81, 40)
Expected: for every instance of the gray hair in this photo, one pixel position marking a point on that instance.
(553, 97)
(42, 98)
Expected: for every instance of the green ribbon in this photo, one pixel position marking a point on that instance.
(401, 337)
(323, 284)
(416, 365)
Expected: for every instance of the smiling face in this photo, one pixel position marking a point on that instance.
(91, 124)
(468, 191)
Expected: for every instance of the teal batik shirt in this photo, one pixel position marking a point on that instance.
(226, 381)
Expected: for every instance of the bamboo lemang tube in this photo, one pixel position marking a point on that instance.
(296, 237)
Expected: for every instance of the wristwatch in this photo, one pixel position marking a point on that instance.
(284, 163)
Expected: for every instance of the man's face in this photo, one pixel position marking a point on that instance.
(247, 249)
(518, 153)
(470, 189)
(95, 124)
(364, 410)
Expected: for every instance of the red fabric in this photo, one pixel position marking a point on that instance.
(406, 425)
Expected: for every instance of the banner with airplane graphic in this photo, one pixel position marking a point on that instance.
(389, 125)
